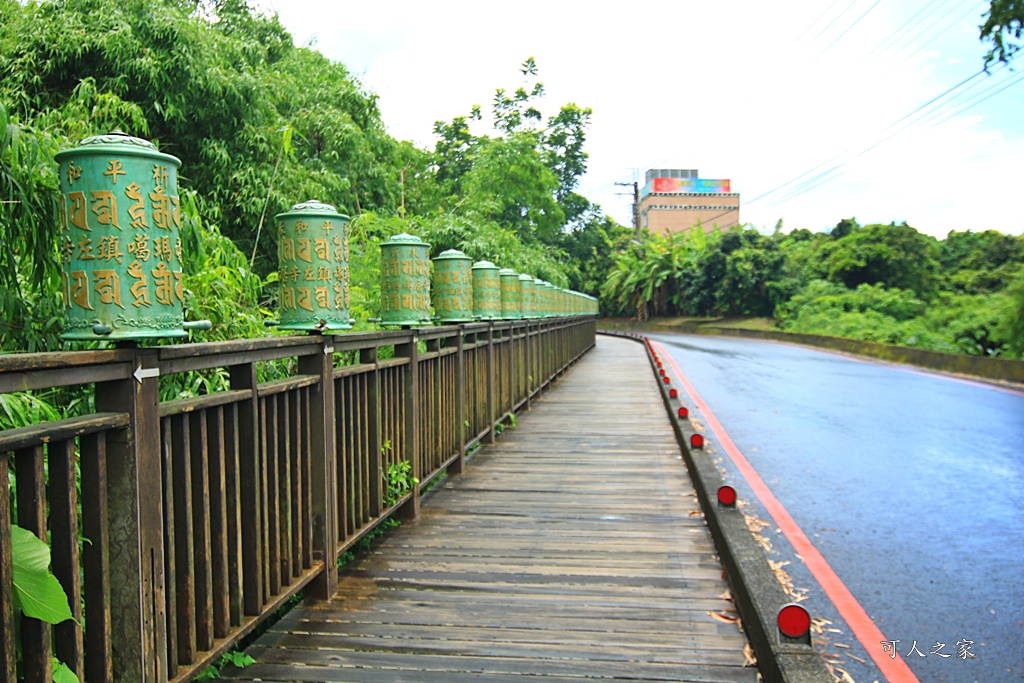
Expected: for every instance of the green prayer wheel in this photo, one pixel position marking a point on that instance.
(312, 254)
(405, 281)
(549, 300)
(539, 298)
(120, 248)
(453, 287)
(542, 299)
(528, 296)
(486, 291)
(511, 294)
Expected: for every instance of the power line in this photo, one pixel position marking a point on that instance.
(956, 22)
(922, 34)
(901, 38)
(834, 20)
(998, 88)
(882, 45)
(802, 183)
(848, 28)
(820, 17)
(979, 101)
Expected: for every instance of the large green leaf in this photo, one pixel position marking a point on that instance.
(36, 591)
(62, 673)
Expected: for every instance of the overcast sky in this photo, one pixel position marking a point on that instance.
(757, 92)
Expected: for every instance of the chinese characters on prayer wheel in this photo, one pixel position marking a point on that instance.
(453, 287)
(405, 281)
(120, 247)
(486, 291)
(313, 257)
(511, 295)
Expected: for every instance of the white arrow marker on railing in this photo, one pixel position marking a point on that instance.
(141, 374)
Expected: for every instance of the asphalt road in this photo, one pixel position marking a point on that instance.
(910, 484)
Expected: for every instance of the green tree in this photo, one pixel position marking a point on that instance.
(216, 84)
(891, 255)
(30, 217)
(1002, 28)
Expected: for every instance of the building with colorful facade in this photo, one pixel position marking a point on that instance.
(678, 199)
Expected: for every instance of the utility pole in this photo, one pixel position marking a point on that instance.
(636, 203)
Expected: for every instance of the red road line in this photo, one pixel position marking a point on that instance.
(869, 635)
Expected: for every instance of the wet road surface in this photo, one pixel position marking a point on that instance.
(910, 484)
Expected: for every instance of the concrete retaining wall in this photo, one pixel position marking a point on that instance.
(978, 366)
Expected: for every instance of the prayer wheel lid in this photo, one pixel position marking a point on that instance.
(482, 265)
(406, 239)
(118, 142)
(451, 254)
(313, 207)
(524, 277)
(507, 271)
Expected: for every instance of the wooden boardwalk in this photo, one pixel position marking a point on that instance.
(572, 550)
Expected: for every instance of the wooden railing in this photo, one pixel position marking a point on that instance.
(196, 519)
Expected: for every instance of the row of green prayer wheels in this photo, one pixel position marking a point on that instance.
(123, 259)
(314, 291)
(463, 291)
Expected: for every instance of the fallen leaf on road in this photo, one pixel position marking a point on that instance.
(724, 618)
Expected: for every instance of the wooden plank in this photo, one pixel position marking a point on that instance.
(371, 401)
(573, 549)
(65, 556)
(8, 654)
(287, 384)
(249, 442)
(191, 405)
(61, 430)
(170, 543)
(285, 425)
(62, 377)
(218, 512)
(60, 360)
(233, 513)
(307, 479)
(184, 565)
(271, 473)
(99, 661)
(203, 561)
(35, 634)
(296, 490)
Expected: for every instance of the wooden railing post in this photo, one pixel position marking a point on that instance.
(491, 381)
(510, 371)
(458, 465)
(322, 463)
(135, 509)
(528, 363)
(243, 377)
(373, 435)
(411, 508)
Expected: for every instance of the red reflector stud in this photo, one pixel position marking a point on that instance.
(662, 372)
(683, 412)
(666, 379)
(727, 495)
(794, 621)
(697, 441)
(673, 393)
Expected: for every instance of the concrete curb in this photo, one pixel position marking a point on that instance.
(756, 590)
